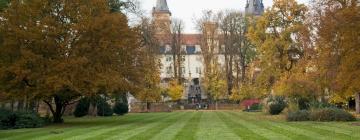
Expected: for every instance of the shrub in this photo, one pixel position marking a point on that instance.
(303, 104)
(276, 105)
(13, 120)
(301, 115)
(28, 120)
(121, 108)
(256, 106)
(331, 114)
(103, 108)
(82, 108)
(320, 105)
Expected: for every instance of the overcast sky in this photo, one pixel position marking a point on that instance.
(187, 10)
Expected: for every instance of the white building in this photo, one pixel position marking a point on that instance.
(192, 59)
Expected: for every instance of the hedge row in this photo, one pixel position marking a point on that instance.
(324, 114)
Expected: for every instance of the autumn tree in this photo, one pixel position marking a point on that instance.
(57, 51)
(276, 35)
(209, 42)
(216, 84)
(149, 88)
(237, 49)
(175, 90)
(336, 23)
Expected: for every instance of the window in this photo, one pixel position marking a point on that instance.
(183, 58)
(198, 70)
(183, 70)
(168, 59)
(162, 49)
(169, 70)
(190, 49)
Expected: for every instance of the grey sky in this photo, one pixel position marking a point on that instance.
(187, 10)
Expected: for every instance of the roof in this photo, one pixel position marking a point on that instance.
(186, 39)
(161, 6)
(191, 39)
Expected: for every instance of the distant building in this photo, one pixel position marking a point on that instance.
(192, 59)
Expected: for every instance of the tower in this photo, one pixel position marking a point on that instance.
(162, 17)
(254, 7)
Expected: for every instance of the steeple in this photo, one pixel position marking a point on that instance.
(162, 17)
(161, 6)
(254, 7)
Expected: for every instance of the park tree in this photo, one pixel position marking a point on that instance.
(149, 88)
(57, 51)
(177, 28)
(175, 90)
(237, 49)
(215, 84)
(276, 35)
(209, 39)
(337, 26)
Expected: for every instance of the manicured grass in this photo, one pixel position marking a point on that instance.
(201, 125)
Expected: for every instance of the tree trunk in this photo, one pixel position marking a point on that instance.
(216, 105)
(357, 103)
(59, 110)
(93, 109)
(147, 106)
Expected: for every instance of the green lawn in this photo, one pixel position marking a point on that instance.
(207, 125)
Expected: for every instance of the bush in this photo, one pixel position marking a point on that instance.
(103, 108)
(331, 114)
(301, 115)
(121, 108)
(28, 120)
(276, 105)
(82, 108)
(303, 104)
(256, 106)
(321, 105)
(325, 114)
(14, 120)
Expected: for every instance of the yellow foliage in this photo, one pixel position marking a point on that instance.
(247, 91)
(175, 90)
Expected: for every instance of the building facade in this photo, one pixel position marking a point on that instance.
(192, 65)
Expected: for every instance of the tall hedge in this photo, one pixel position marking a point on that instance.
(103, 108)
(82, 108)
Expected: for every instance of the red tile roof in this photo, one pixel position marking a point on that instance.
(191, 39)
(187, 39)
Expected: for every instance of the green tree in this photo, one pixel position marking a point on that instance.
(3, 4)
(57, 51)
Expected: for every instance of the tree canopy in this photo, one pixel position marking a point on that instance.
(60, 50)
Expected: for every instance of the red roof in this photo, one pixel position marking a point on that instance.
(187, 39)
(191, 39)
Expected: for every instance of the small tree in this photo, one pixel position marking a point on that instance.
(216, 85)
(175, 90)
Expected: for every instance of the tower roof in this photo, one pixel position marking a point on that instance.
(254, 7)
(161, 6)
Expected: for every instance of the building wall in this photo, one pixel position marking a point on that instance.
(193, 69)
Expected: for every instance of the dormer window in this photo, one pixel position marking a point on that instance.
(190, 49)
